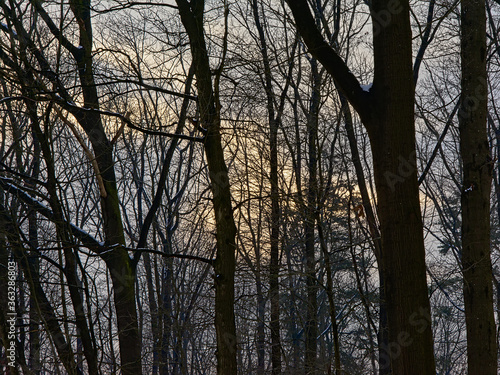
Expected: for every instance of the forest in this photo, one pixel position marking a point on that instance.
(249, 187)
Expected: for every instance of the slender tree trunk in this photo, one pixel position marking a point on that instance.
(383, 332)
(117, 259)
(274, 266)
(274, 293)
(167, 282)
(225, 263)
(331, 297)
(63, 233)
(311, 324)
(153, 310)
(5, 238)
(291, 323)
(34, 324)
(46, 310)
(475, 199)
(145, 226)
(120, 265)
(261, 315)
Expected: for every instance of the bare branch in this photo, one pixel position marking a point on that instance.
(86, 239)
(87, 152)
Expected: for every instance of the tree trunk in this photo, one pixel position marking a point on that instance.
(388, 114)
(6, 312)
(274, 267)
(261, 315)
(475, 198)
(274, 118)
(383, 334)
(390, 125)
(121, 267)
(311, 324)
(34, 320)
(45, 309)
(64, 235)
(225, 263)
(331, 299)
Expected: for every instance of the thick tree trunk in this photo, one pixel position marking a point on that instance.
(403, 259)
(477, 175)
(392, 135)
(388, 114)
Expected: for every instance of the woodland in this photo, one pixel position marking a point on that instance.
(249, 187)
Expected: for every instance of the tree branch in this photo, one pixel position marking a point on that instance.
(86, 239)
(333, 63)
(87, 152)
(73, 108)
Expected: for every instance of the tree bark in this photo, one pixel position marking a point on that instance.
(331, 299)
(34, 325)
(475, 198)
(274, 119)
(382, 334)
(120, 265)
(209, 108)
(388, 114)
(45, 309)
(311, 323)
(64, 236)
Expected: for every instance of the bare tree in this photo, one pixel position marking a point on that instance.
(209, 106)
(475, 195)
(386, 109)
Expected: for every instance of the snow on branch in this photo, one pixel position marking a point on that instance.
(7, 29)
(85, 238)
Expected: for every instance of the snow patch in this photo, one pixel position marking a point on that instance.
(6, 27)
(367, 87)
